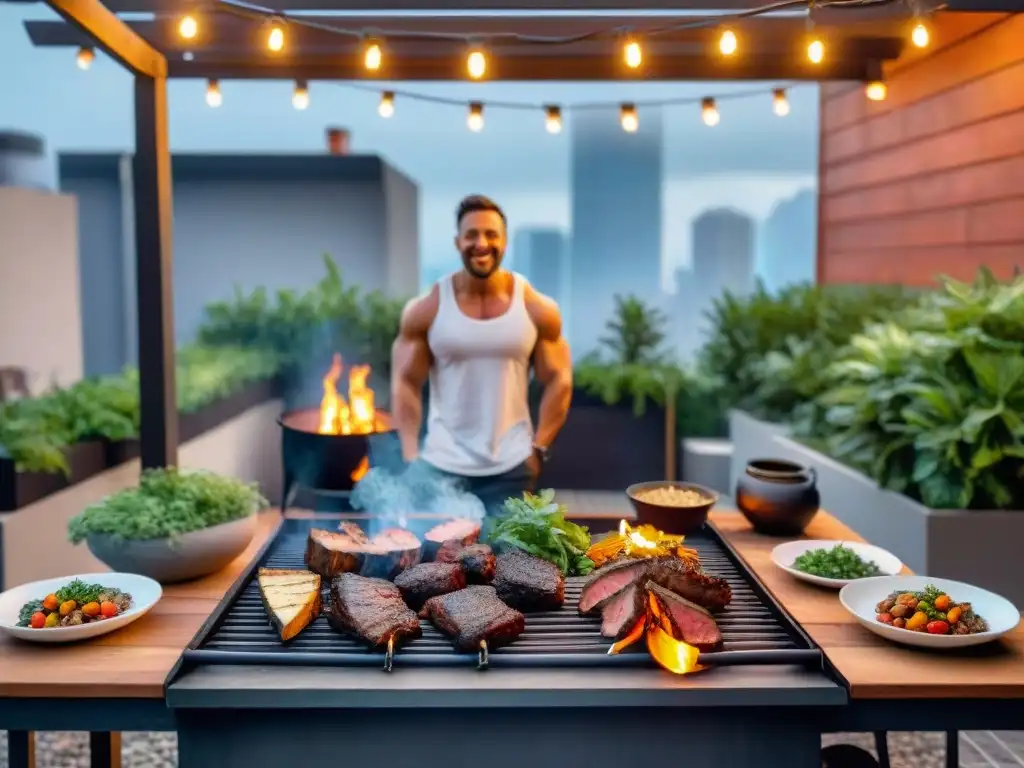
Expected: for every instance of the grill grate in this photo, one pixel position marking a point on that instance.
(754, 628)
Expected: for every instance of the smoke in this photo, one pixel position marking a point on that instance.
(392, 489)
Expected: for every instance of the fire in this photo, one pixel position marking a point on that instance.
(642, 541)
(355, 415)
(361, 470)
(673, 654)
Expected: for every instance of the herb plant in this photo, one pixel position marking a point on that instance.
(536, 524)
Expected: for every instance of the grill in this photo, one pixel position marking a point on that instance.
(754, 628)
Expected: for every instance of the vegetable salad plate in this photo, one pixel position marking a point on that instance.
(75, 608)
(928, 612)
(834, 564)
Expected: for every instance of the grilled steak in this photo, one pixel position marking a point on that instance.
(690, 623)
(460, 529)
(349, 550)
(371, 609)
(709, 592)
(477, 560)
(426, 580)
(528, 583)
(605, 583)
(474, 614)
(622, 611)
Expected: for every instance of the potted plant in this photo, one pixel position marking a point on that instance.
(174, 526)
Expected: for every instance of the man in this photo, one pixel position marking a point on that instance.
(475, 336)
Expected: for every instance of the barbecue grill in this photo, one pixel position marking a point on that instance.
(755, 629)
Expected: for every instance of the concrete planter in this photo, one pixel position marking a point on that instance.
(975, 546)
(707, 462)
(751, 439)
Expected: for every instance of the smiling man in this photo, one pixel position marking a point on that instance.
(476, 336)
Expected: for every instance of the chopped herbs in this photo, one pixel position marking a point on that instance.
(536, 525)
(837, 563)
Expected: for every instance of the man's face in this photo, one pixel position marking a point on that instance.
(481, 241)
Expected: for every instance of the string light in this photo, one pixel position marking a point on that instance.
(920, 36)
(709, 112)
(553, 119)
(476, 64)
(727, 43)
(275, 39)
(372, 57)
(816, 51)
(214, 98)
(475, 120)
(386, 108)
(628, 118)
(300, 98)
(876, 90)
(85, 57)
(780, 104)
(632, 53)
(188, 28)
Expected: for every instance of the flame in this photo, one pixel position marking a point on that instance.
(673, 654)
(631, 637)
(361, 470)
(642, 541)
(355, 415)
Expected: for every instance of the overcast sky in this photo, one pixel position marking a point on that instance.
(748, 161)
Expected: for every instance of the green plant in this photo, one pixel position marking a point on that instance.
(635, 333)
(167, 503)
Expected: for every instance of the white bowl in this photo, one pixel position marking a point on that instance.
(144, 591)
(786, 554)
(861, 596)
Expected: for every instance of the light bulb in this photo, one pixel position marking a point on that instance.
(920, 36)
(727, 44)
(372, 57)
(187, 27)
(633, 55)
(386, 108)
(475, 120)
(275, 40)
(300, 98)
(85, 58)
(629, 119)
(553, 119)
(816, 51)
(780, 104)
(476, 64)
(876, 91)
(709, 112)
(214, 98)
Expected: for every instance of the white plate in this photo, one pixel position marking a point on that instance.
(144, 591)
(786, 554)
(862, 596)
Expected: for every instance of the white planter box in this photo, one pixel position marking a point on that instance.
(707, 462)
(751, 439)
(975, 546)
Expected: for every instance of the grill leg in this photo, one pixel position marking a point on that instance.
(105, 750)
(952, 749)
(882, 745)
(288, 492)
(21, 749)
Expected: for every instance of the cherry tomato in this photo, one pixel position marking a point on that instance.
(108, 609)
(885, 618)
(938, 627)
(38, 620)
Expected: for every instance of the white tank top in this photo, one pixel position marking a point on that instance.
(479, 422)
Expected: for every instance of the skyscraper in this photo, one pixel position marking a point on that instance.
(789, 242)
(723, 252)
(540, 254)
(616, 218)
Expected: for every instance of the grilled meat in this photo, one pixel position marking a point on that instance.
(528, 583)
(291, 599)
(371, 609)
(349, 550)
(474, 614)
(426, 580)
(460, 529)
(709, 592)
(622, 611)
(606, 582)
(477, 560)
(690, 623)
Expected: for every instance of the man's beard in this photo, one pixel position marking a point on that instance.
(481, 274)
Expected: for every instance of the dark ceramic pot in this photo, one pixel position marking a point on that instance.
(778, 497)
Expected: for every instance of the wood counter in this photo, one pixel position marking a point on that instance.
(872, 667)
(132, 662)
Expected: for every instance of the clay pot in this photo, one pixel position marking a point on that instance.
(778, 497)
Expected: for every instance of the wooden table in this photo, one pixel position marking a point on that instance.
(116, 682)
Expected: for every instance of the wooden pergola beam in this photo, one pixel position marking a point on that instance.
(112, 35)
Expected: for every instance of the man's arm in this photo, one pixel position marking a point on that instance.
(552, 366)
(410, 367)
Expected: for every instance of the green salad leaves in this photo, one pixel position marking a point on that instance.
(536, 525)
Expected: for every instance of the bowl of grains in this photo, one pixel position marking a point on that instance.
(670, 506)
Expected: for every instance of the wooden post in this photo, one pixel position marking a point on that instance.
(155, 310)
(671, 464)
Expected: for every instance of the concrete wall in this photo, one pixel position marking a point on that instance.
(34, 538)
(931, 180)
(40, 317)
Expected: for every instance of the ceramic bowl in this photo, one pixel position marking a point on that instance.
(786, 554)
(678, 520)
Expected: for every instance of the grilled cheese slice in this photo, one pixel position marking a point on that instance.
(291, 597)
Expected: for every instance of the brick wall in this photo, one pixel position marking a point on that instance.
(931, 180)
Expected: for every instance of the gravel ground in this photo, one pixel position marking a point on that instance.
(978, 749)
